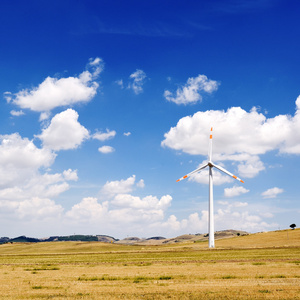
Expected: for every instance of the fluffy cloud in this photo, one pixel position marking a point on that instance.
(88, 210)
(20, 159)
(38, 208)
(238, 136)
(103, 136)
(123, 186)
(272, 193)
(191, 92)
(25, 193)
(148, 202)
(106, 149)
(55, 92)
(120, 207)
(17, 113)
(64, 132)
(235, 191)
(70, 175)
(137, 81)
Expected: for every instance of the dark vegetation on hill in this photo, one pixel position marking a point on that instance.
(157, 240)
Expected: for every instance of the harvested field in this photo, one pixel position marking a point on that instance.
(238, 268)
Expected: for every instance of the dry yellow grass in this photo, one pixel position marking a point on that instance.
(280, 238)
(239, 268)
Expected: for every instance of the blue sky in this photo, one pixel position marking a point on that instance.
(105, 104)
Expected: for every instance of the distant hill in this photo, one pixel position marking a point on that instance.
(182, 238)
(82, 238)
(224, 239)
(156, 240)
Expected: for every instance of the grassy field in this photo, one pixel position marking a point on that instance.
(258, 266)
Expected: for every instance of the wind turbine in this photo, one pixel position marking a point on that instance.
(210, 164)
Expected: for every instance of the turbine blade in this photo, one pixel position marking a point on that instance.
(228, 173)
(210, 145)
(195, 171)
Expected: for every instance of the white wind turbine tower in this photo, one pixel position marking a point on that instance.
(210, 164)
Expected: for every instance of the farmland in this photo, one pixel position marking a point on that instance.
(257, 266)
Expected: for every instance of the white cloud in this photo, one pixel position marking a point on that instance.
(235, 191)
(88, 210)
(137, 81)
(70, 175)
(141, 184)
(103, 136)
(64, 132)
(238, 136)
(20, 159)
(127, 133)
(8, 96)
(123, 186)
(191, 92)
(96, 66)
(17, 113)
(38, 208)
(44, 116)
(56, 92)
(148, 202)
(272, 193)
(251, 167)
(106, 149)
(120, 83)
(121, 208)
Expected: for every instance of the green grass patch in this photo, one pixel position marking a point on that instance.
(135, 279)
(278, 276)
(228, 277)
(264, 291)
(43, 268)
(96, 278)
(165, 277)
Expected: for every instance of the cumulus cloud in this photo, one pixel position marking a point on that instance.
(88, 210)
(70, 175)
(44, 116)
(56, 92)
(103, 136)
(127, 133)
(20, 159)
(192, 91)
(106, 149)
(26, 189)
(238, 136)
(16, 113)
(272, 193)
(120, 207)
(235, 191)
(123, 186)
(38, 208)
(137, 80)
(148, 202)
(64, 132)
